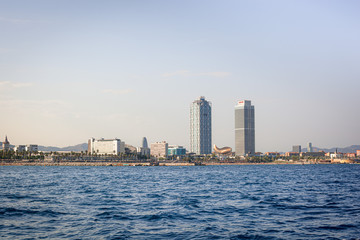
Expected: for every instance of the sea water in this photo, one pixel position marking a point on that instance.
(192, 202)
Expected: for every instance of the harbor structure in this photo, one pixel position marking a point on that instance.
(106, 146)
(244, 128)
(159, 149)
(200, 126)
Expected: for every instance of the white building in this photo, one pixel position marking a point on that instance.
(20, 148)
(26, 148)
(336, 155)
(200, 126)
(159, 149)
(32, 148)
(106, 146)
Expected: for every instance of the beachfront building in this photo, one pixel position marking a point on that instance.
(200, 126)
(159, 149)
(244, 128)
(32, 148)
(336, 155)
(106, 146)
(20, 148)
(292, 154)
(312, 154)
(350, 155)
(176, 151)
(272, 154)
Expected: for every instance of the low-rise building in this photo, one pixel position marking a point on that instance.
(20, 148)
(106, 146)
(272, 154)
(350, 155)
(312, 154)
(143, 151)
(159, 149)
(336, 155)
(32, 148)
(176, 151)
(291, 154)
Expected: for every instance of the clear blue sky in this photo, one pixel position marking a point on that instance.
(71, 70)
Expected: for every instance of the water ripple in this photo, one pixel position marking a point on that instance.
(215, 202)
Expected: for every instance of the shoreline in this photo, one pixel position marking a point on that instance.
(147, 164)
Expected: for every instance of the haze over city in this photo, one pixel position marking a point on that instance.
(71, 70)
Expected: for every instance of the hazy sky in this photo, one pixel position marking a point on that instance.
(71, 70)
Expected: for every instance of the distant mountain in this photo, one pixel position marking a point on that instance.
(130, 147)
(350, 149)
(76, 148)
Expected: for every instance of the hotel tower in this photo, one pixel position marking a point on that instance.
(200, 126)
(244, 128)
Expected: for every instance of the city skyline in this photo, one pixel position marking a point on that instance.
(128, 69)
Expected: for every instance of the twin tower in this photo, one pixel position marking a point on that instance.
(200, 127)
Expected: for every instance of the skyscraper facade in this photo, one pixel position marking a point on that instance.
(244, 128)
(296, 148)
(144, 150)
(310, 148)
(144, 143)
(200, 126)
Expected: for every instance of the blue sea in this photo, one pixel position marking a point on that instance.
(193, 202)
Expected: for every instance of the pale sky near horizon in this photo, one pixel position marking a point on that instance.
(71, 70)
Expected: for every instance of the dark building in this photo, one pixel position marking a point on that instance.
(296, 148)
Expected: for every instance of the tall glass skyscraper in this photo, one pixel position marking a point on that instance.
(144, 143)
(200, 126)
(244, 128)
